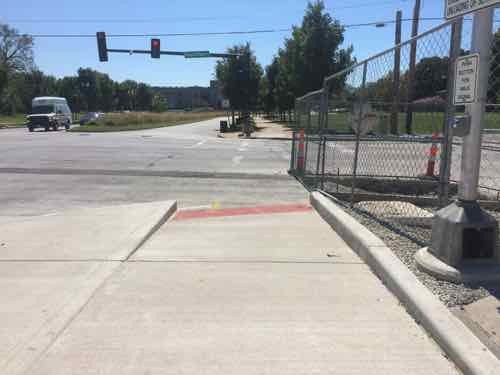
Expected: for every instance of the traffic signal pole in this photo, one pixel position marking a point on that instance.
(155, 43)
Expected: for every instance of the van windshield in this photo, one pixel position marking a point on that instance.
(42, 109)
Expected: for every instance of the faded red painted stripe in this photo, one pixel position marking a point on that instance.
(240, 211)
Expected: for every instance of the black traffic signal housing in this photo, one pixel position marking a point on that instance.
(101, 46)
(155, 48)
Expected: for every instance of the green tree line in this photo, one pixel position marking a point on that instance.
(88, 90)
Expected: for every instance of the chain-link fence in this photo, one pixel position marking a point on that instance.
(379, 137)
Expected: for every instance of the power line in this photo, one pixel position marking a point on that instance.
(175, 19)
(219, 33)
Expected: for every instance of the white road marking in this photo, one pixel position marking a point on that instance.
(195, 208)
(237, 159)
(201, 143)
(243, 146)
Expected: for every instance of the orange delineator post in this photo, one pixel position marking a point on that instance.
(301, 151)
(431, 163)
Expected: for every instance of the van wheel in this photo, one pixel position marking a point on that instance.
(31, 129)
(67, 126)
(47, 128)
(55, 128)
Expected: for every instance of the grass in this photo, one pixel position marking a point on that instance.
(115, 122)
(13, 121)
(423, 123)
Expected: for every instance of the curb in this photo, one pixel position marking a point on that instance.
(461, 346)
(146, 231)
(259, 138)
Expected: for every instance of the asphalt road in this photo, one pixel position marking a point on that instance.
(43, 172)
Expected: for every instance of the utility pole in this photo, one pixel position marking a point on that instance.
(411, 72)
(396, 77)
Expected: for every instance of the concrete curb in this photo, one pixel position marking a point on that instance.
(456, 340)
(258, 138)
(145, 232)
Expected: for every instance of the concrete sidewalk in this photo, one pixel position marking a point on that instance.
(51, 265)
(264, 129)
(268, 291)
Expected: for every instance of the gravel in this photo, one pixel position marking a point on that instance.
(449, 293)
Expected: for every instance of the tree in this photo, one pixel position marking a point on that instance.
(159, 104)
(144, 97)
(269, 93)
(239, 77)
(16, 56)
(87, 83)
(106, 92)
(319, 37)
(430, 76)
(69, 88)
(310, 55)
(16, 50)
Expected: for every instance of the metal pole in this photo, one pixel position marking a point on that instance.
(358, 133)
(413, 62)
(447, 150)
(323, 164)
(397, 69)
(325, 96)
(471, 149)
(318, 159)
(292, 156)
(308, 115)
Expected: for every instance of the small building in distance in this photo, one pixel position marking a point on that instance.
(192, 97)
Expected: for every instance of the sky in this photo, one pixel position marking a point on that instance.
(63, 56)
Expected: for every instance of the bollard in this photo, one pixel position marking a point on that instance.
(433, 154)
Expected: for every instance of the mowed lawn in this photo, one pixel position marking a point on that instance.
(15, 120)
(113, 122)
(423, 123)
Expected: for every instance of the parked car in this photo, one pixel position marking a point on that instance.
(89, 117)
(49, 113)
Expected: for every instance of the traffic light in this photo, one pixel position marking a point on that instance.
(101, 46)
(155, 48)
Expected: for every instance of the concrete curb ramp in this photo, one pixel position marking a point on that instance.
(461, 346)
(111, 233)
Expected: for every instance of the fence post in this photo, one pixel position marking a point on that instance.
(308, 106)
(323, 164)
(358, 133)
(305, 153)
(397, 74)
(292, 158)
(318, 159)
(447, 148)
(324, 107)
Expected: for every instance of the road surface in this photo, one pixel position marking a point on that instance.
(43, 172)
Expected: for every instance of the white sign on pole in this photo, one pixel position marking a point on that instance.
(466, 74)
(455, 8)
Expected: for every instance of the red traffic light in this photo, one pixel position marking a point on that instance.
(155, 48)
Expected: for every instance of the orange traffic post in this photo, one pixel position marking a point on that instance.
(433, 154)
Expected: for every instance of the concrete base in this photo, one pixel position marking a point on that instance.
(464, 233)
(429, 263)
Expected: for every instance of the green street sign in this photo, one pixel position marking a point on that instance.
(196, 54)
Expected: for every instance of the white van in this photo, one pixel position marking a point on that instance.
(49, 112)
